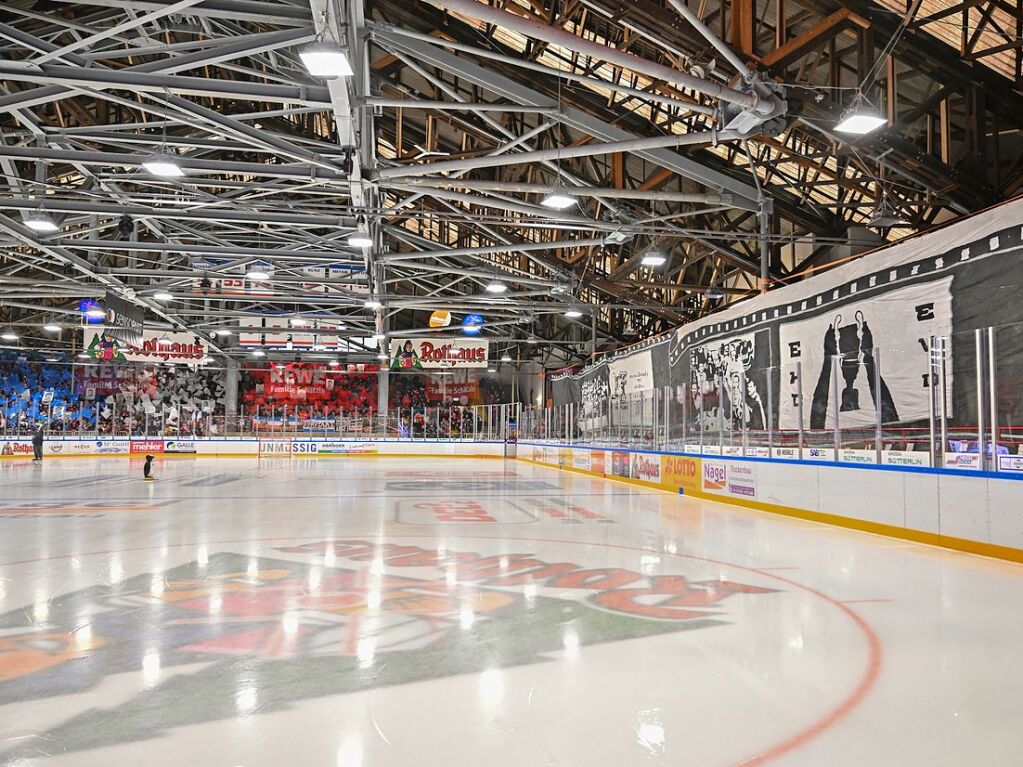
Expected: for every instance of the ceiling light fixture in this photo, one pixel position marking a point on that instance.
(573, 314)
(9, 335)
(379, 336)
(506, 357)
(258, 353)
(885, 216)
(333, 363)
(496, 287)
(360, 240)
(221, 333)
(95, 313)
(860, 118)
(257, 273)
(163, 164)
(51, 328)
(41, 221)
(558, 201)
(617, 238)
(324, 58)
(372, 303)
(84, 356)
(382, 357)
(161, 296)
(653, 258)
(298, 322)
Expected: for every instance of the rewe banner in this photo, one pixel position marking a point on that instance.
(157, 346)
(433, 353)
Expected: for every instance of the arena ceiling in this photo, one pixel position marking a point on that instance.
(703, 133)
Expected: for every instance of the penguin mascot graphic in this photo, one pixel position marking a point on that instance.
(147, 470)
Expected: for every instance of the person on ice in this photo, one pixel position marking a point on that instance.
(148, 469)
(37, 443)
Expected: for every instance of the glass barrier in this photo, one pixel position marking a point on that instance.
(945, 401)
(954, 402)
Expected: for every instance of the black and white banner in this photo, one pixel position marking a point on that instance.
(887, 334)
(631, 374)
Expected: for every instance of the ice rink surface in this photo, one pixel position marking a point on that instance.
(396, 612)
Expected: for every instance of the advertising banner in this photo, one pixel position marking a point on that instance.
(12, 448)
(1010, 463)
(646, 467)
(444, 391)
(111, 447)
(282, 333)
(742, 479)
(905, 458)
(272, 447)
(157, 346)
(124, 321)
(179, 446)
(301, 448)
(581, 459)
(735, 477)
(598, 463)
(439, 353)
(239, 285)
(681, 471)
(621, 465)
(142, 446)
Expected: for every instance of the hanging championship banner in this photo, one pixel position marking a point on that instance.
(124, 321)
(156, 346)
(427, 354)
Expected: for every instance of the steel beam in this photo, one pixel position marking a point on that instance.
(746, 195)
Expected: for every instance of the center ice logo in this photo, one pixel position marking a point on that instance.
(356, 615)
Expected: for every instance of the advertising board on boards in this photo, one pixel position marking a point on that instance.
(646, 467)
(280, 447)
(12, 448)
(146, 446)
(179, 446)
(581, 460)
(680, 471)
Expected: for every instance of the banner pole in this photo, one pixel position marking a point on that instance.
(978, 339)
(878, 425)
(836, 362)
(992, 382)
(931, 388)
(799, 399)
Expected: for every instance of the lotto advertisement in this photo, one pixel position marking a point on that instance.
(680, 471)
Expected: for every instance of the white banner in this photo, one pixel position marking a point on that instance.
(283, 333)
(898, 323)
(433, 353)
(631, 374)
(157, 346)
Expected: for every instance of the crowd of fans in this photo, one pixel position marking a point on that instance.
(177, 400)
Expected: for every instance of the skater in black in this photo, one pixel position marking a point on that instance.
(37, 443)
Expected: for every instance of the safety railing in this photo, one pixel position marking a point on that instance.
(454, 422)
